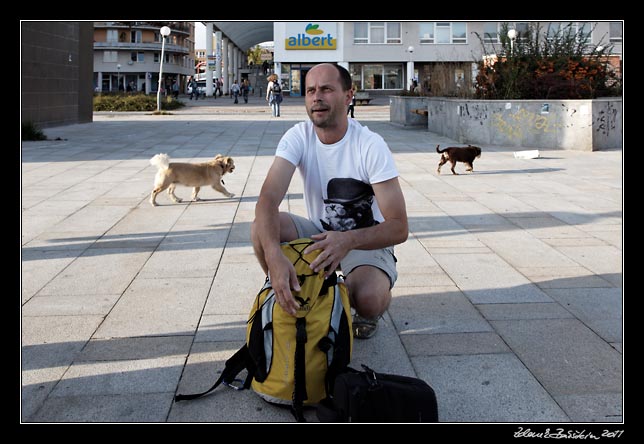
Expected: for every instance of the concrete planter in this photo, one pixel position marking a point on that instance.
(582, 125)
(400, 110)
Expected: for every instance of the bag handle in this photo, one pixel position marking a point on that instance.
(237, 362)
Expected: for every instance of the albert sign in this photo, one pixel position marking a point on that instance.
(311, 36)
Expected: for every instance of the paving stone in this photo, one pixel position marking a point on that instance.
(128, 408)
(416, 310)
(120, 377)
(487, 279)
(487, 388)
(564, 355)
(166, 306)
(453, 344)
(543, 310)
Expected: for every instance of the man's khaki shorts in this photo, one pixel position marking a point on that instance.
(383, 258)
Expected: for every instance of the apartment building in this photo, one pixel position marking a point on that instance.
(127, 55)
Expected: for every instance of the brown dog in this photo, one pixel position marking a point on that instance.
(454, 154)
(191, 175)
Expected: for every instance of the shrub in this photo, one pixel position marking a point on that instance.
(133, 102)
(539, 65)
(30, 131)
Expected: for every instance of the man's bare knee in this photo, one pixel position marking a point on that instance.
(288, 231)
(369, 291)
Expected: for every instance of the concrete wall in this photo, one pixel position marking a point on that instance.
(56, 72)
(583, 125)
(400, 108)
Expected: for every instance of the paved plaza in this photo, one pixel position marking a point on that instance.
(508, 303)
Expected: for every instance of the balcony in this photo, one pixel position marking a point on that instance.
(177, 27)
(129, 46)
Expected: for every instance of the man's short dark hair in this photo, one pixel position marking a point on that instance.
(345, 77)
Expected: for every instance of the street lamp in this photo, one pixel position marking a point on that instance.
(410, 67)
(165, 31)
(118, 76)
(512, 34)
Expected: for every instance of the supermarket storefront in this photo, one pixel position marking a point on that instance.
(301, 45)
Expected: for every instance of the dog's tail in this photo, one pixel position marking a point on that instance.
(439, 151)
(161, 161)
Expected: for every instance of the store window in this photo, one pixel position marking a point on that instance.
(375, 76)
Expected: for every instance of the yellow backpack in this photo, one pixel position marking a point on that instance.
(293, 360)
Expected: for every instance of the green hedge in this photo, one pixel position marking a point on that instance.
(540, 64)
(133, 102)
(31, 131)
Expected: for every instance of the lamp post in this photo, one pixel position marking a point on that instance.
(410, 67)
(118, 76)
(165, 31)
(512, 34)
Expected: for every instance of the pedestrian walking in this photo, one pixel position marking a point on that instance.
(235, 90)
(274, 94)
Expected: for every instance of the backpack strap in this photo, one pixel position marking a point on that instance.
(234, 365)
(299, 390)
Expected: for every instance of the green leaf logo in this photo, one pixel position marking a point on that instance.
(313, 29)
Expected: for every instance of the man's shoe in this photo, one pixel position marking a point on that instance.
(364, 328)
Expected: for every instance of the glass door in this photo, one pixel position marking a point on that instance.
(296, 82)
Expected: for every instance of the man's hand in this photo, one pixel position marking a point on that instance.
(283, 279)
(335, 245)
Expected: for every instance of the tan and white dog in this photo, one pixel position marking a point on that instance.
(191, 175)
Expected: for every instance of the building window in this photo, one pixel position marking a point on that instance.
(110, 56)
(522, 29)
(157, 57)
(377, 32)
(368, 76)
(443, 32)
(137, 56)
(360, 32)
(491, 32)
(112, 36)
(459, 32)
(393, 33)
(135, 37)
(615, 32)
(581, 30)
(426, 31)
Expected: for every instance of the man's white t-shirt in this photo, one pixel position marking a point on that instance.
(338, 177)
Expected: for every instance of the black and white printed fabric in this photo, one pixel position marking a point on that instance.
(348, 205)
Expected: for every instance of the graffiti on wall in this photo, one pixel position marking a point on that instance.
(516, 125)
(605, 122)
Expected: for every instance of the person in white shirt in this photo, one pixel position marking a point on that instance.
(356, 208)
